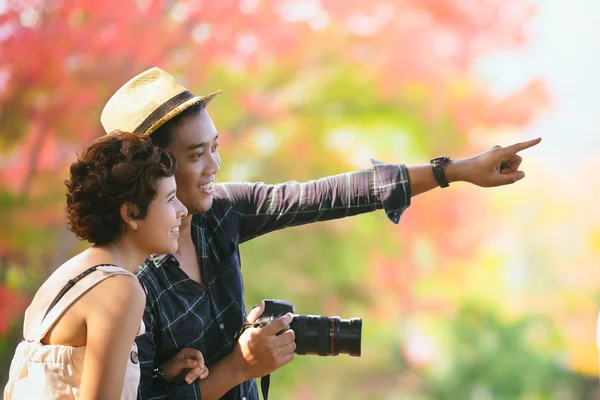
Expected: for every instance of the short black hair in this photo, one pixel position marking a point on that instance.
(114, 169)
(163, 136)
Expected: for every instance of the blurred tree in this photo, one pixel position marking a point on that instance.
(492, 357)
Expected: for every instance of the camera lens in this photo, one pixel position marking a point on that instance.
(349, 336)
(327, 336)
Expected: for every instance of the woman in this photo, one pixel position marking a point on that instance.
(80, 327)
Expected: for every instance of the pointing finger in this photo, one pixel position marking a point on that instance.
(515, 148)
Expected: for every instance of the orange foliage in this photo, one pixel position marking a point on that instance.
(12, 304)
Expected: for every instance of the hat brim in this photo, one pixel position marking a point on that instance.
(178, 110)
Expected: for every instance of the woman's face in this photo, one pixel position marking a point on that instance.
(159, 231)
(194, 143)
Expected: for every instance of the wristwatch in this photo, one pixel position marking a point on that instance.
(437, 164)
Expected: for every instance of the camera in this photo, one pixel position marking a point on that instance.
(315, 334)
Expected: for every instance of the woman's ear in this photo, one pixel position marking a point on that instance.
(129, 213)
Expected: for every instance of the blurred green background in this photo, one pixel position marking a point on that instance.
(477, 294)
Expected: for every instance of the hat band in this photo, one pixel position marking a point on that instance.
(163, 110)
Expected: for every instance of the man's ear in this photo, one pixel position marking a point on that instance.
(129, 213)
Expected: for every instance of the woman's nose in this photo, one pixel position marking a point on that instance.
(183, 211)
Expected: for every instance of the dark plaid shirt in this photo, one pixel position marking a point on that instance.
(181, 312)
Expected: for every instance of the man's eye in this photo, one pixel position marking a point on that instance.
(197, 155)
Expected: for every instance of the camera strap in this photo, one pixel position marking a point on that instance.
(265, 381)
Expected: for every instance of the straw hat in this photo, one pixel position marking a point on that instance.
(147, 101)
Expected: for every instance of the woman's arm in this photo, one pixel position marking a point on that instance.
(112, 324)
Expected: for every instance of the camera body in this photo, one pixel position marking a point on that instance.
(315, 334)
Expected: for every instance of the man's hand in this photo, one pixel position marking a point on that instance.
(188, 361)
(260, 351)
(495, 167)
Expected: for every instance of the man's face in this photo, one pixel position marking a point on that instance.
(194, 143)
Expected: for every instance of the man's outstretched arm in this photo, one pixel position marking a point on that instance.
(262, 208)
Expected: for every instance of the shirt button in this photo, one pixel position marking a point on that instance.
(223, 327)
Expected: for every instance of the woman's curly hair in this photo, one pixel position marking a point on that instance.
(115, 169)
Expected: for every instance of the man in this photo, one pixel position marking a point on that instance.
(195, 296)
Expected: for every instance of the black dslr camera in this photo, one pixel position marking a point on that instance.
(315, 334)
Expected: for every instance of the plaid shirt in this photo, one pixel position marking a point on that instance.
(181, 312)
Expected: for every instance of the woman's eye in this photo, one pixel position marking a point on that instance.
(215, 147)
(197, 156)
(171, 199)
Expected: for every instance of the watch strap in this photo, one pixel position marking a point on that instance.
(437, 165)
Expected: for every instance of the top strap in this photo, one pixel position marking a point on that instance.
(56, 308)
(69, 285)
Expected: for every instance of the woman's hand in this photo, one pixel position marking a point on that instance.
(187, 361)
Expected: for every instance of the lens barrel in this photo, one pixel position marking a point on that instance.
(327, 336)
